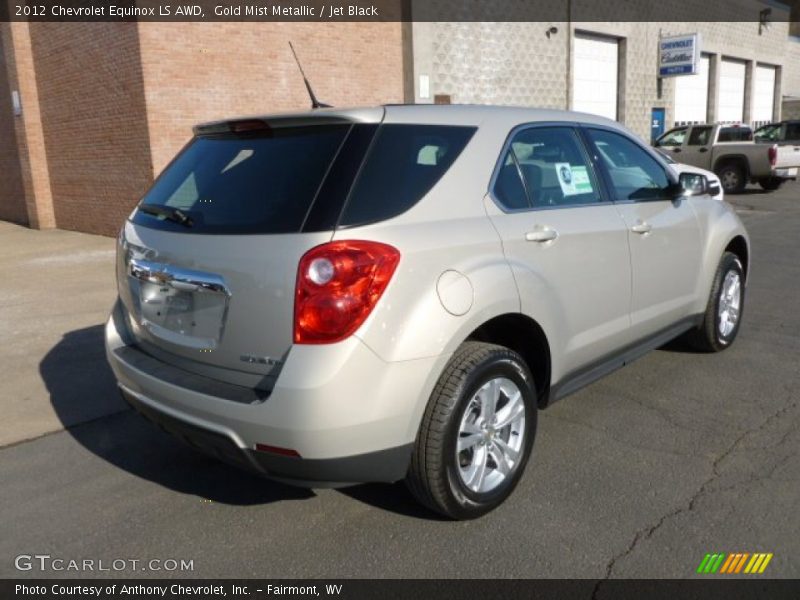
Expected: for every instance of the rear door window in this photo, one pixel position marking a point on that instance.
(403, 164)
(554, 167)
(700, 136)
(261, 182)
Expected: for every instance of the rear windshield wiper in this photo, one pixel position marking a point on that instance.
(176, 215)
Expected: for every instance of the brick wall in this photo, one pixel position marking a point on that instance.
(93, 119)
(196, 72)
(12, 190)
(111, 103)
(35, 175)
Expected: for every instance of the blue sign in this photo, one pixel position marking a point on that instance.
(678, 55)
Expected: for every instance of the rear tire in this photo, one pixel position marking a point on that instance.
(476, 434)
(732, 178)
(723, 314)
(770, 184)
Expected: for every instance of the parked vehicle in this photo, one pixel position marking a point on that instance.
(786, 134)
(714, 185)
(729, 151)
(371, 295)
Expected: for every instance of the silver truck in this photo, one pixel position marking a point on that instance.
(730, 152)
(786, 134)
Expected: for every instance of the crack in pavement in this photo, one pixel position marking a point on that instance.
(647, 532)
(66, 428)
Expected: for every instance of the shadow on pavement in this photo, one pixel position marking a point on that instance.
(393, 497)
(84, 394)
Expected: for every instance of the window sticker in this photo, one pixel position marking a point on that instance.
(573, 180)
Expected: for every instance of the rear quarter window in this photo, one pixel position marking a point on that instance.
(403, 164)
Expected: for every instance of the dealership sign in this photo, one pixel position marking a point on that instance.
(678, 55)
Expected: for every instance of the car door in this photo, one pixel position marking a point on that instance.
(663, 232)
(565, 242)
(672, 141)
(697, 148)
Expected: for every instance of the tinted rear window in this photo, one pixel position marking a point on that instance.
(735, 134)
(403, 164)
(255, 183)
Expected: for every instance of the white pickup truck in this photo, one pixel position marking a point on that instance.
(730, 152)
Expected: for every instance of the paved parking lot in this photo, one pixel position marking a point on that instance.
(638, 475)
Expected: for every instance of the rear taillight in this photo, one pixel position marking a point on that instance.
(338, 285)
(773, 155)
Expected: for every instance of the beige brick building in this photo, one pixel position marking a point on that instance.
(536, 64)
(91, 112)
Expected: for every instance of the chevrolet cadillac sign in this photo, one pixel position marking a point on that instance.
(678, 55)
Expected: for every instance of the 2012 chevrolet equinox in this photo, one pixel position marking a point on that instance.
(346, 296)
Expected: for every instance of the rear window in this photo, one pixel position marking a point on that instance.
(253, 183)
(735, 134)
(403, 164)
(300, 179)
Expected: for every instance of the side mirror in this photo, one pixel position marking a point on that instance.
(692, 184)
(713, 189)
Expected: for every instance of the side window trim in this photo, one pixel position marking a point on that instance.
(605, 198)
(606, 176)
(528, 196)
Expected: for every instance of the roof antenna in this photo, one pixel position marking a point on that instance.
(314, 102)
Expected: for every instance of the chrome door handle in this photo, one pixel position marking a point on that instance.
(541, 235)
(642, 228)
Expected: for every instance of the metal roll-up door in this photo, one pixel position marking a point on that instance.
(731, 91)
(763, 95)
(691, 95)
(595, 75)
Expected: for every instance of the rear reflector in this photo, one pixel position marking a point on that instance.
(277, 450)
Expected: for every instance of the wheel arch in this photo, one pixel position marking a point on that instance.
(525, 336)
(738, 246)
(736, 159)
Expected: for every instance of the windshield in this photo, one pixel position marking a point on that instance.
(768, 133)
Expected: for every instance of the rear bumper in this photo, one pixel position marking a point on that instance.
(350, 416)
(785, 173)
(383, 465)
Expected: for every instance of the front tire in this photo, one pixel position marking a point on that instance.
(476, 434)
(723, 314)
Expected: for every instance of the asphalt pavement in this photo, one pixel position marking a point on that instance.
(639, 475)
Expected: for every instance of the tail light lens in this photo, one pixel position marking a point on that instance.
(773, 155)
(338, 285)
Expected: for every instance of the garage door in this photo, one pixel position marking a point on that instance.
(731, 90)
(691, 95)
(594, 76)
(763, 94)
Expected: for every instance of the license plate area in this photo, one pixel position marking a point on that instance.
(180, 306)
